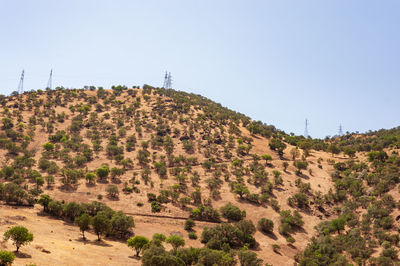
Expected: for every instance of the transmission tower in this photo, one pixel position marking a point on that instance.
(50, 80)
(306, 130)
(21, 83)
(340, 130)
(167, 80)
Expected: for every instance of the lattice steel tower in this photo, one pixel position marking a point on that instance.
(49, 83)
(306, 130)
(20, 88)
(340, 130)
(167, 80)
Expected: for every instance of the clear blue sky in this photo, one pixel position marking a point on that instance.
(277, 61)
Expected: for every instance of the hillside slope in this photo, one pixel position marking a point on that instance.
(162, 156)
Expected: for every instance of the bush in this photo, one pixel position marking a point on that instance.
(112, 191)
(6, 257)
(189, 224)
(155, 206)
(276, 248)
(232, 212)
(290, 240)
(249, 258)
(299, 199)
(192, 235)
(266, 225)
(103, 172)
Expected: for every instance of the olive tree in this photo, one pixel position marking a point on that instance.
(19, 235)
(137, 242)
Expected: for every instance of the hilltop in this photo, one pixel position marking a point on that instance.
(164, 156)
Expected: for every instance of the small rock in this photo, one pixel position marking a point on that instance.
(46, 251)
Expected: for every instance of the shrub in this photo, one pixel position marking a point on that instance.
(112, 191)
(232, 212)
(155, 207)
(6, 257)
(276, 248)
(266, 225)
(91, 177)
(298, 199)
(103, 172)
(290, 240)
(192, 235)
(249, 258)
(189, 224)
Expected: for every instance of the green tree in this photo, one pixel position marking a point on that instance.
(19, 235)
(249, 258)
(267, 158)
(48, 146)
(157, 239)
(240, 189)
(332, 148)
(39, 182)
(301, 165)
(7, 123)
(189, 224)
(112, 191)
(91, 177)
(101, 224)
(121, 224)
(233, 212)
(277, 145)
(6, 258)
(295, 153)
(83, 222)
(49, 180)
(175, 241)
(285, 166)
(337, 224)
(137, 242)
(72, 210)
(210, 257)
(44, 200)
(103, 171)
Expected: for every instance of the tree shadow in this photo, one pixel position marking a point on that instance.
(116, 181)
(89, 185)
(134, 257)
(277, 252)
(304, 176)
(67, 188)
(113, 198)
(270, 235)
(100, 243)
(22, 255)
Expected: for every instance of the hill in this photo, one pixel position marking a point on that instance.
(164, 156)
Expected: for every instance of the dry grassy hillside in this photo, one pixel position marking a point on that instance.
(155, 155)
